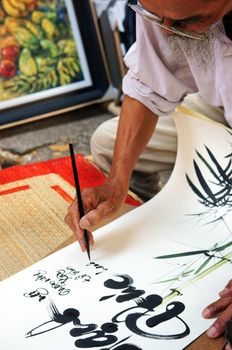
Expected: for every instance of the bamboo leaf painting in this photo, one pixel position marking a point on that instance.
(214, 193)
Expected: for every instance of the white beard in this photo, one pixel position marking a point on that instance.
(202, 51)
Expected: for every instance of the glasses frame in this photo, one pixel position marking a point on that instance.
(159, 22)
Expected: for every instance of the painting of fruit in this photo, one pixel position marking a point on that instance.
(37, 47)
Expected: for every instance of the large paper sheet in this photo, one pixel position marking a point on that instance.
(152, 270)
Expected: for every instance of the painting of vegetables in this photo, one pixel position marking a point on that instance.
(38, 50)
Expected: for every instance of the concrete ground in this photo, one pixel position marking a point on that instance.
(49, 138)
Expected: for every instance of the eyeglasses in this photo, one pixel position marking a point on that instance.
(159, 21)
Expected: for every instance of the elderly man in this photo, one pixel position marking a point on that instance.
(182, 47)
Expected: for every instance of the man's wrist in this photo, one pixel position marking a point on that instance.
(121, 171)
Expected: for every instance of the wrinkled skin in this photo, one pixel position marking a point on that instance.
(195, 16)
(99, 202)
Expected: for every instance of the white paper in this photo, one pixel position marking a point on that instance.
(121, 301)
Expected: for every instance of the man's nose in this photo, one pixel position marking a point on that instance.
(169, 23)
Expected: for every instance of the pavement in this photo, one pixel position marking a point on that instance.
(49, 138)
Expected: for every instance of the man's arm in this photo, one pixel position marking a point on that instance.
(136, 126)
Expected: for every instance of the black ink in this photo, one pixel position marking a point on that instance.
(41, 293)
(126, 282)
(107, 297)
(41, 276)
(125, 346)
(62, 276)
(71, 273)
(129, 292)
(175, 291)
(135, 322)
(97, 267)
(85, 278)
(82, 329)
(172, 311)
(99, 338)
(148, 303)
(69, 315)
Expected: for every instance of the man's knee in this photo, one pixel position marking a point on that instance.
(102, 143)
(104, 136)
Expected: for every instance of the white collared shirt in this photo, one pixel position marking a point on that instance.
(160, 81)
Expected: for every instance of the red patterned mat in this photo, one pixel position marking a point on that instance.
(34, 199)
(89, 175)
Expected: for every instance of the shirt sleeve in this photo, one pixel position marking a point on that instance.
(155, 77)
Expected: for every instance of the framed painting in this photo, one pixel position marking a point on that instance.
(50, 58)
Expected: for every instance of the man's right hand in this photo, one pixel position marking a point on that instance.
(136, 125)
(99, 202)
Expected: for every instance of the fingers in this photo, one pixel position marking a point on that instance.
(227, 289)
(100, 202)
(218, 327)
(218, 306)
(87, 222)
(223, 306)
(72, 219)
(227, 347)
(229, 284)
(95, 216)
(91, 239)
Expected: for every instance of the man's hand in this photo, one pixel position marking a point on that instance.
(136, 126)
(99, 202)
(222, 309)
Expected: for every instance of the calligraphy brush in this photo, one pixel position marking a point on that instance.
(79, 198)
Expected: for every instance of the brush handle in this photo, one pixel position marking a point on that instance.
(79, 198)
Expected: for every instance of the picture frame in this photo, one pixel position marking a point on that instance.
(59, 63)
